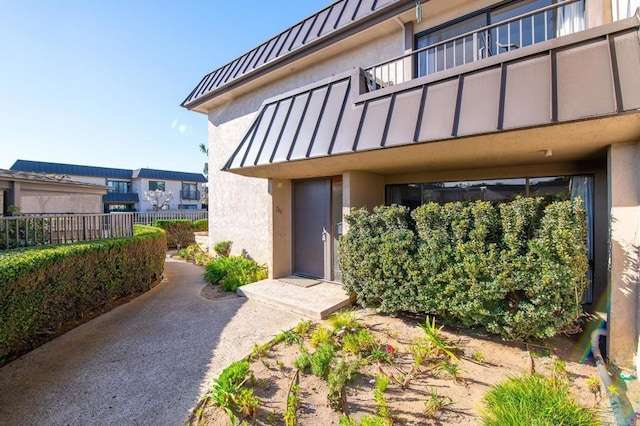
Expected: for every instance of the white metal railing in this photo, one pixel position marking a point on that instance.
(534, 27)
(147, 218)
(38, 230)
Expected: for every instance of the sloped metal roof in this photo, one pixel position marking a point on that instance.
(103, 172)
(70, 169)
(322, 25)
(39, 177)
(168, 175)
(120, 197)
(337, 116)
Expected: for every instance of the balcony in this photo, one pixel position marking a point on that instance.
(190, 195)
(538, 26)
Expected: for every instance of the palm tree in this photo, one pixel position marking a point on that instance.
(205, 151)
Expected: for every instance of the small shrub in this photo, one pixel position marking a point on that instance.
(302, 328)
(223, 248)
(382, 382)
(321, 360)
(360, 342)
(260, 351)
(320, 336)
(303, 362)
(533, 399)
(435, 403)
(338, 377)
(234, 271)
(289, 337)
(478, 356)
(246, 402)
(226, 389)
(179, 232)
(344, 320)
(200, 225)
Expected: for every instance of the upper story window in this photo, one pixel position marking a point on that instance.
(118, 186)
(156, 185)
(190, 191)
(496, 30)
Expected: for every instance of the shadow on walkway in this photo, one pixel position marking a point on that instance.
(145, 362)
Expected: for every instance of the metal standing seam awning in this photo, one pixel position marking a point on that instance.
(338, 115)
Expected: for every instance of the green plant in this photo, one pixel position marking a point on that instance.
(260, 350)
(360, 342)
(613, 390)
(321, 360)
(338, 377)
(433, 335)
(223, 248)
(179, 232)
(44, 287)
(271, 418)
(234, 271)
(381, 354)
(382, 382)
(593, 384)
(344, 320)
(478, 356)
(200, 225)
(533, 399)
(302, 328)
(303, 362)
(382, 406)
(435, 403)
(289, 337)
(293, 402)
(452, 368)
(320, 335)
(247, 402)
(364, 421)
(226, 389)
(517, 268)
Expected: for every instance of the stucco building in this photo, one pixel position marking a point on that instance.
(36, 193)
(394, 101)
(126, 186)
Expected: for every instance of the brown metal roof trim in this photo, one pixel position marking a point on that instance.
(340, 19)
(335, 117)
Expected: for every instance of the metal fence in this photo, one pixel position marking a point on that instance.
(38, 230)
(147, 218)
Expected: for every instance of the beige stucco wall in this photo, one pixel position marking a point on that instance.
(59, 202)
(240, 208)
(624, 202)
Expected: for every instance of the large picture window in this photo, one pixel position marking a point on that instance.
(557, 188)
(118, 186)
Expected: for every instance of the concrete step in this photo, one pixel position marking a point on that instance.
(316, 302)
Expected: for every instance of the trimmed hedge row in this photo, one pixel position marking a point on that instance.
(41, 288)
(200, 225)
(179, 232)
(518, 269)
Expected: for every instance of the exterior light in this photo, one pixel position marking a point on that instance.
(548, 153)
(419, 11)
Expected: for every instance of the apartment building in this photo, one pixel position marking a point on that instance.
(126, 186)
(368, 102)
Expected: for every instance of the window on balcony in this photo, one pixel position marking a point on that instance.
(118, 186)
(190, 191)
(156, 185)
(494, 31)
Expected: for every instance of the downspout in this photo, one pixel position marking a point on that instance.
(614, 401)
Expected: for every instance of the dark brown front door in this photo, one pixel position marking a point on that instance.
(311, 226)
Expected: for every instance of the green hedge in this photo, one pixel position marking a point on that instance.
(41, 288)
(517, 269)
(200, 225)
(179, 232)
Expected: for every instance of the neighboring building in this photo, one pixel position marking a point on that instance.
(369, 102)
(31, 193)
(127, 186)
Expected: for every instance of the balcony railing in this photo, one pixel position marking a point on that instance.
(534, 27)
(190, 195)
(38, 230)
(147, 218)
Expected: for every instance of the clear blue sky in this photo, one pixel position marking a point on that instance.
(100, 82)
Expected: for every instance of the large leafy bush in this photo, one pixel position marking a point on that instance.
(179, 232)
(517, 269)
(41, 288)
(234, 271)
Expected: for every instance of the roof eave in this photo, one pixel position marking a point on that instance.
(304, 50)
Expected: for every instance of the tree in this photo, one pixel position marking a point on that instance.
(158, 199)
(205, 151)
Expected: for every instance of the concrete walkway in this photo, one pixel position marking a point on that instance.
(146, 362)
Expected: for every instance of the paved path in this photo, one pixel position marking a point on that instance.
(146, 362)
